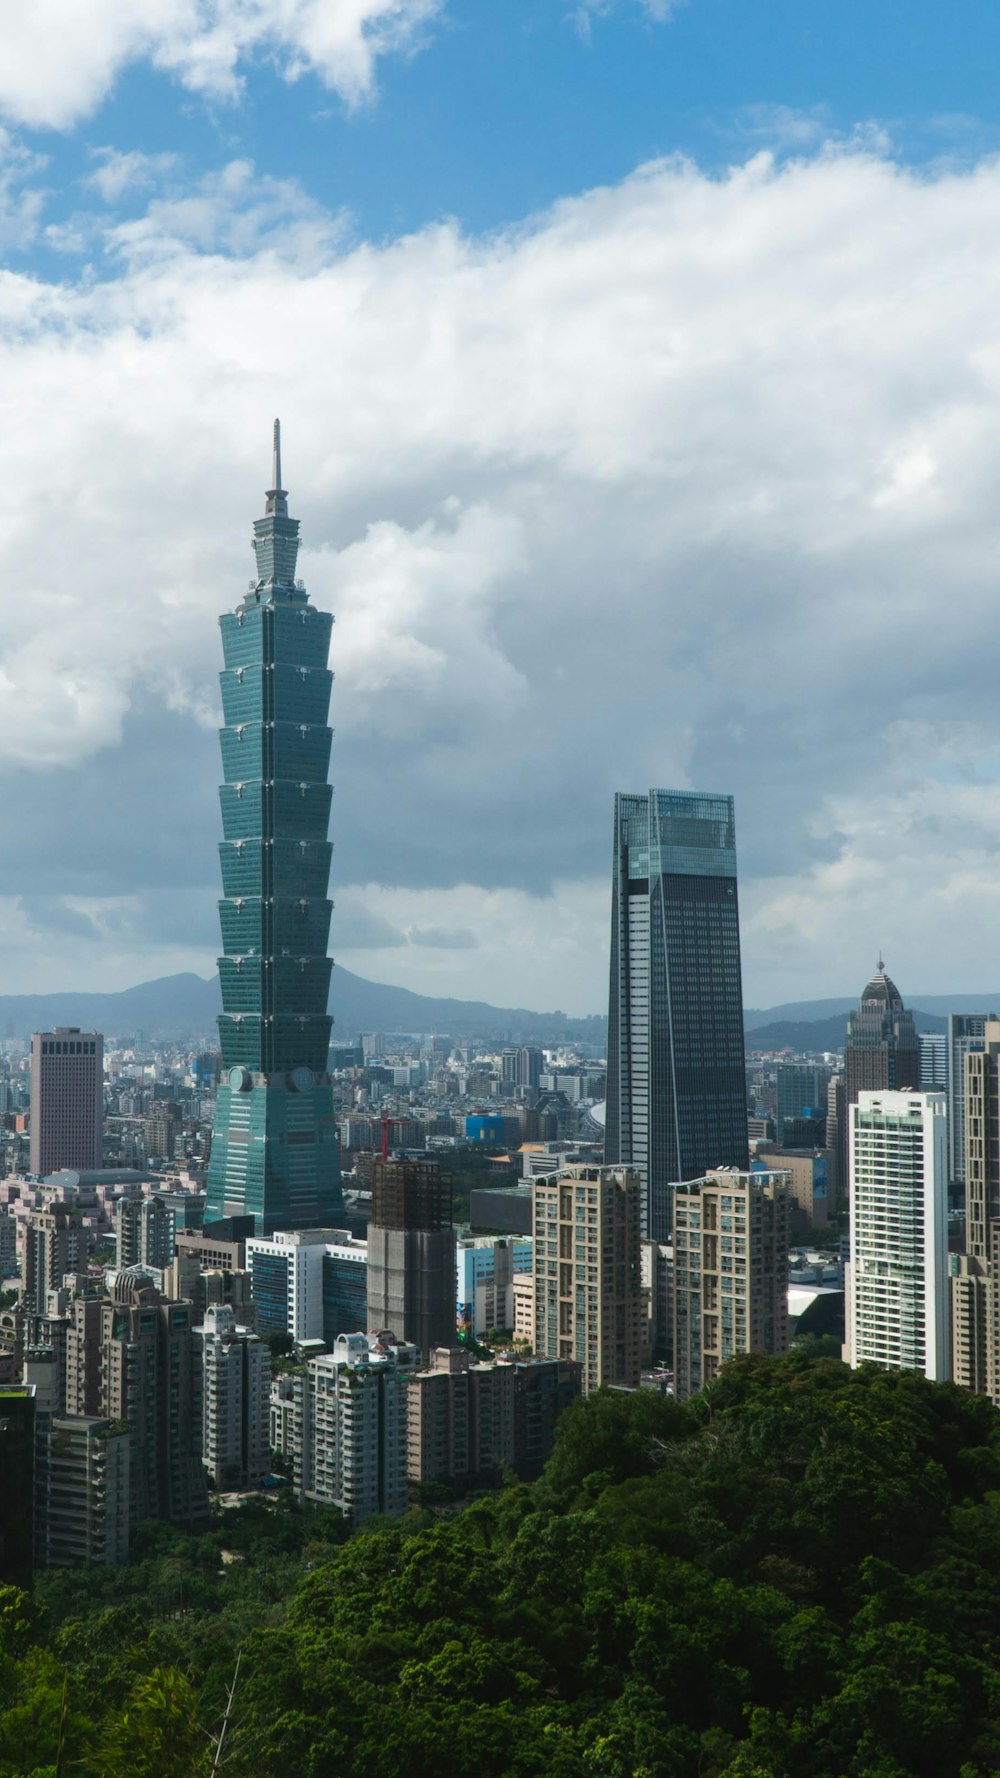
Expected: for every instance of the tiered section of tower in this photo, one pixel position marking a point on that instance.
(274, 1147)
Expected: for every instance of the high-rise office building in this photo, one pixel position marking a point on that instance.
(529, 1067)
(897, 1278)
(933, 1062)
(676, 1090)
(67, 1099)
(836, 1141)
(291, 1285)
(881, 1054)
(345, 1287)
(731, 1236)
(588, 1298)
(975, 1273)
(274, 1146)
(882, 1048)
(800, 1093)
(411, 1254)
(965, 1033)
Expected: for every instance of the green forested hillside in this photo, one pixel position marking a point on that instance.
(795, 1576)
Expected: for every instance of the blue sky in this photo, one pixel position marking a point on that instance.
(640, 373)
(495, 111)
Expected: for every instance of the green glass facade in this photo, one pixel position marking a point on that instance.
(274, 1146)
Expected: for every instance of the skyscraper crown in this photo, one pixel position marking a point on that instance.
(276, 536)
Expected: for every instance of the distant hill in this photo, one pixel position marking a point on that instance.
(172, 1006)
(185, 1006)
(822, 1034)
(810, 1011)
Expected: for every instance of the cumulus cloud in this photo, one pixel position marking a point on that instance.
(689, 481)
(530, 950)
(61, 57)
(444, 938)
(117, 173)
(22, 200)
(657, 12)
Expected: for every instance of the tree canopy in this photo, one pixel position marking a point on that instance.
(794, 1575)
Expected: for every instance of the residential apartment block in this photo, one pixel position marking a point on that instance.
(731, 1237)
(897, 1279)
(588, 1292)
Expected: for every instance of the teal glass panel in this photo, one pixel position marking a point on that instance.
(274, 1152)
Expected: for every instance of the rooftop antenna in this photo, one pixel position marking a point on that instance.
(277, 496)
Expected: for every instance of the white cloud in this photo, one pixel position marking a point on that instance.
(915, 878)
(60, 58)
(689, 481)
(657, 11)
(236, 210)
(21, 203)
(505, 945)
(116, 173)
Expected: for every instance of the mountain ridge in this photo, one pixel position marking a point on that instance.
(186, 1005)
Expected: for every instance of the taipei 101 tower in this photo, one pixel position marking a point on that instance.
(274, 1146)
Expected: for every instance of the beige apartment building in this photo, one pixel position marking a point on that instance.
(731, 1237)
(523, 1292)
(589, 1302)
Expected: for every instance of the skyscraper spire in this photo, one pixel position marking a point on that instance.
(276, 536)
(277, 496)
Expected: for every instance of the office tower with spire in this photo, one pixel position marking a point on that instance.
(881, 1054)
(882, 1048)
(274, 1145)
(676, 1096)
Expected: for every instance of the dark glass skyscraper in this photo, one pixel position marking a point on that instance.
(676, 1102)
(274, 1146)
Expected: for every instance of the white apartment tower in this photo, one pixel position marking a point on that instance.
(342, 1424)
(897, 1279)
(589, 1304)
(235, 1385)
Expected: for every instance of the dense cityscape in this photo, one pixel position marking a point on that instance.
(368, 1273)
(499, 1043)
